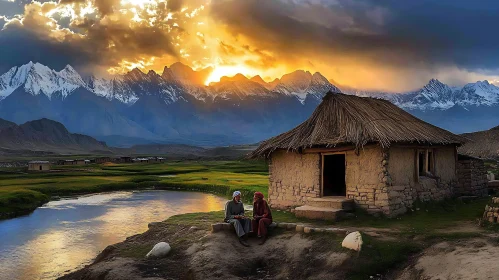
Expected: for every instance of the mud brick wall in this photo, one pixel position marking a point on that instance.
(293, 178)
(367, 178)
(404, 189)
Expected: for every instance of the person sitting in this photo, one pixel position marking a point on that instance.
(262, 217)
(234, 214)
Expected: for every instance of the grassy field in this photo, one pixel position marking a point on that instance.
(401, 237)
(22, 192)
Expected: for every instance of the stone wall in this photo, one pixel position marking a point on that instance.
(404, 189)
(472, 176)
(293, 178)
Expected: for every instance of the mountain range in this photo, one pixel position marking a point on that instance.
(176, 106)
(470, 108)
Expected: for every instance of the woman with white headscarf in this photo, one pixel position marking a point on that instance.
(234, 214)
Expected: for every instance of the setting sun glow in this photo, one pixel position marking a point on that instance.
(229, 71)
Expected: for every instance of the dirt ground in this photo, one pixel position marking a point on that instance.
(200, 254)
(287, 255)
(471, 259)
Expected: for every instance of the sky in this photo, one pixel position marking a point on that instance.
(385, 45)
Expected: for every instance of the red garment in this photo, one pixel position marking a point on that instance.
(260, 224)
(261, 209)
(259, 195)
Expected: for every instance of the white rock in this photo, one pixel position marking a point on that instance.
(353, 241)
(159, 250)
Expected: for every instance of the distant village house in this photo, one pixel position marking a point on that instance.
(80, 162)
(366, 152)
(102, 160)
(39, 165)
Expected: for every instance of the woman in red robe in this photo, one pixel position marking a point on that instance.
(262, 217)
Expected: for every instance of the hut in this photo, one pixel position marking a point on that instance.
(125, 159)
(102, 160)
(39, 165)
(359, 151)
(79, 162)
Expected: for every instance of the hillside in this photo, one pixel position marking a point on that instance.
(46, 135)
(483, 144)
(5, 124)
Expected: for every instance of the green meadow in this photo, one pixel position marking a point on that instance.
(21, 191)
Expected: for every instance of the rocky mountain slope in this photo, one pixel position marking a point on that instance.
(47, 135)
(484, 144)
(176, 106)
(5, 124)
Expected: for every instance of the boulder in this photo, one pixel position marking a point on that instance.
(159, 250)
(353, 241)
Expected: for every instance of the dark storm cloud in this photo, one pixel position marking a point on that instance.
(21, 44)
(391, 32)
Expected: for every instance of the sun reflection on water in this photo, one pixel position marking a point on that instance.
(65, 235)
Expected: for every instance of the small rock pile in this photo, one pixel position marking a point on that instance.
(491, 213)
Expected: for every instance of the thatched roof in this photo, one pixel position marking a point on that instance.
(352, 120)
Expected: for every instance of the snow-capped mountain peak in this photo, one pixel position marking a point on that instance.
(439, 96)
(40, 79)
(303, 84)
(481, 92)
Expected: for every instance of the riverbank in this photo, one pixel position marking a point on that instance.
(21, 192)
(402, 248)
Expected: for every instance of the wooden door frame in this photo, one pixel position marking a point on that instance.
(322, 168)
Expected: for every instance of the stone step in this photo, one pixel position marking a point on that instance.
(337, 202)
(319, 213)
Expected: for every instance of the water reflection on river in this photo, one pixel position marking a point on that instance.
(64, 235)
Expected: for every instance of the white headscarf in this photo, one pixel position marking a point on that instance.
(236, 193)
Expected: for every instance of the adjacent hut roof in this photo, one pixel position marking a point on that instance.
(38, 162)
(353, 120)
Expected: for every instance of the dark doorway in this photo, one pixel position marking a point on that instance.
(333, 175)
(40, 167)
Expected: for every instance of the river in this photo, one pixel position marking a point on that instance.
(62, 236)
